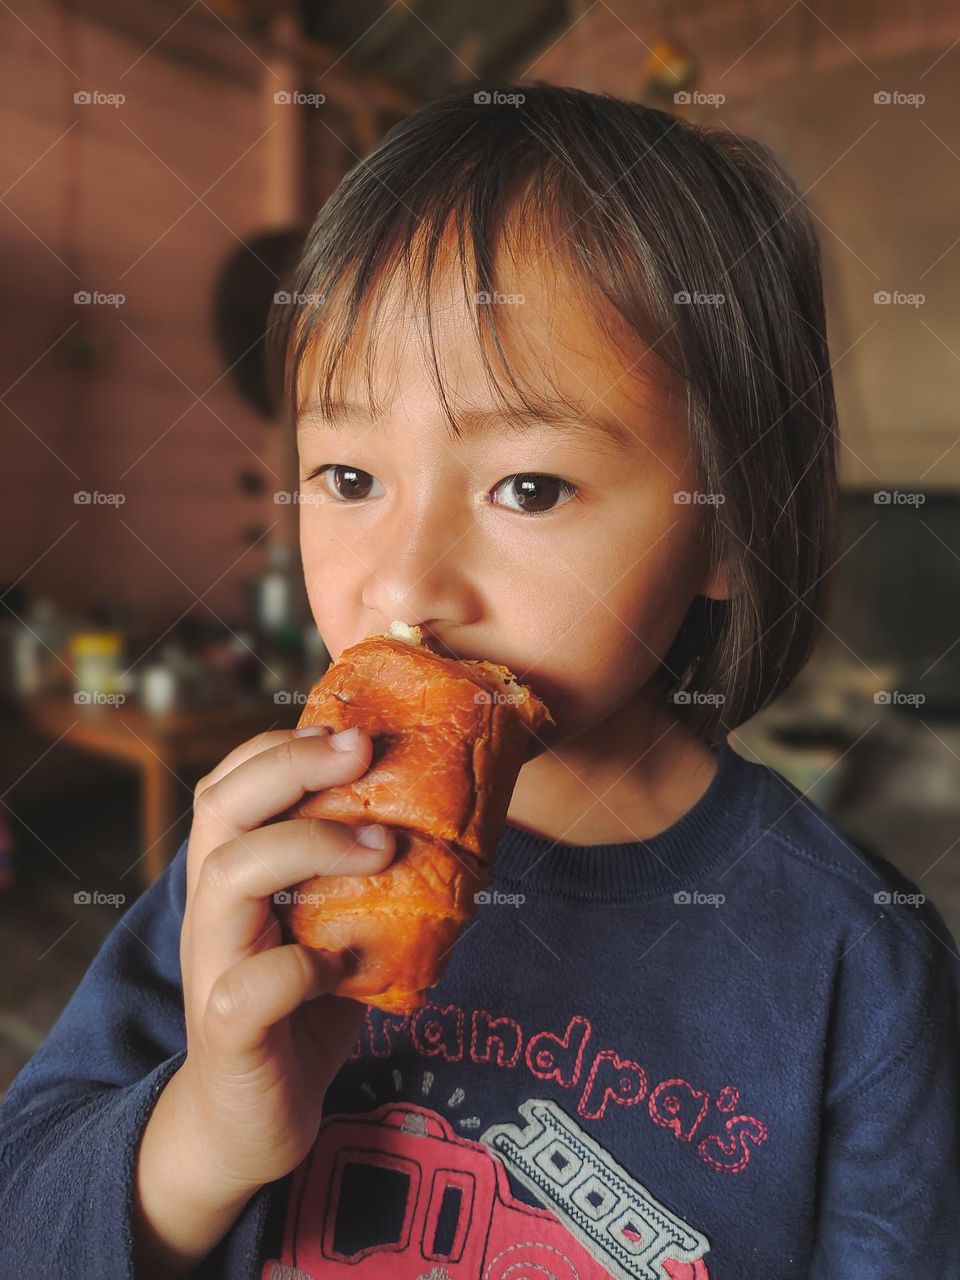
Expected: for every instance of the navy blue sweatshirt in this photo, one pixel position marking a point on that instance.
(730, 1051)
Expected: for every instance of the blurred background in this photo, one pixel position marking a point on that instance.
(160, 164)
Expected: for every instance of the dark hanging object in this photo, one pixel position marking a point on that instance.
(250, 482)
(252, 274)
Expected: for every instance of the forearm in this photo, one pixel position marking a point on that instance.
(181, 1209)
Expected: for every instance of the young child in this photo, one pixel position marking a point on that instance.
(559, 370)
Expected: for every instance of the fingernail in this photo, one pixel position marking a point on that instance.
(346, 739)
(374, 837)
(309, 730)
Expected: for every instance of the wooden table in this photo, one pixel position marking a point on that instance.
(160, 746)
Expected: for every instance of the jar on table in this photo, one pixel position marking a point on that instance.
(97, 666)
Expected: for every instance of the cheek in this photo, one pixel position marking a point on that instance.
(329, 579)
(592, 630)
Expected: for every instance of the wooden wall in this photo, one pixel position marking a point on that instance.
(882, 180)
(102, 197)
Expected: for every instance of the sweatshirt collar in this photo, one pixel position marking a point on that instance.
(708, 834)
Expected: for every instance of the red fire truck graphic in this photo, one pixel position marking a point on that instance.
(397, 1193)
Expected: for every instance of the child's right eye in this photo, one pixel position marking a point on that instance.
(348, 483)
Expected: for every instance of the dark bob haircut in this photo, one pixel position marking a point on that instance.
(654, 214)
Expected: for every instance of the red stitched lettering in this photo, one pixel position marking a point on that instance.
(438, 1030)
(612, 1079)
(742, 1130)
(384, 1032)
(503, 1035)
(669, 1099)
(547, 1054)
(674, 1104)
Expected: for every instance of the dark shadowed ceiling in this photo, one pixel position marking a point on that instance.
(428, 46)
(423, 47)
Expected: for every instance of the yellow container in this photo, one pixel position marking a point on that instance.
(95, 659)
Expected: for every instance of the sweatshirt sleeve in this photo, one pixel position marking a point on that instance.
(889, 1200)
(72, 1119)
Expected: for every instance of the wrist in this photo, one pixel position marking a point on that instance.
(183, 1203)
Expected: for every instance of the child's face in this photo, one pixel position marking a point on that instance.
(581, 602)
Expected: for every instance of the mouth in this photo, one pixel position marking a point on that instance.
(420, 635)
(437, 646)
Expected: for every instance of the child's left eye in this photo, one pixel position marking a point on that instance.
(530, 492)
(536, 494)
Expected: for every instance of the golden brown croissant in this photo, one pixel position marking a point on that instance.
(449, 739)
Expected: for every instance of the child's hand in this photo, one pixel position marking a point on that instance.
(260, 1059)
(264, 1039)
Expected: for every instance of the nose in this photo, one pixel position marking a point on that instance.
(420, 572)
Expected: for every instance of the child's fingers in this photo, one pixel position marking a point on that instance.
(232, 904)
(261, 990)
(245, 751)
(265, 785)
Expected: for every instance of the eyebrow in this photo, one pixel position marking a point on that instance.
(480, 422)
